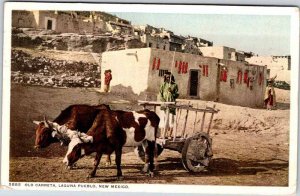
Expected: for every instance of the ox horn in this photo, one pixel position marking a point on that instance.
(46, 122)
(36, 122)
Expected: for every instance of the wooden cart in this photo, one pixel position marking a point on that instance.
(194, 145)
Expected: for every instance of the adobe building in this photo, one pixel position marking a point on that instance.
(223, 52)
(59, 21)
(198, 77)
(278, 65)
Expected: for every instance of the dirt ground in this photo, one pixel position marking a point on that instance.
(250, 146)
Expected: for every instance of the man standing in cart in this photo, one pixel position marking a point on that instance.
(168, 92)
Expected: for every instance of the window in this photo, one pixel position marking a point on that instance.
(162, 72)
(229, 56)
(150, 44)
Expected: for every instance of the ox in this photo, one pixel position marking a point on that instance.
(112, 130)
(62, 132)
(78, 116)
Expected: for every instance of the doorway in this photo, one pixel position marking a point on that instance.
(49, 24)
(194, 83)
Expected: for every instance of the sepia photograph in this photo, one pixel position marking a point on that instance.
(123, 97)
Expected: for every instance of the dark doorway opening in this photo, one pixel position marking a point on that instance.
(194, 83)
(49, 24)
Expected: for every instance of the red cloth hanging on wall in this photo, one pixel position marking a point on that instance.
(203, 70)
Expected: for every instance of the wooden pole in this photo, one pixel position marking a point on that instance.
(166, 125)
(195, 120)
(203, 119)
(185, 121)
(211, 118)
(178, 111)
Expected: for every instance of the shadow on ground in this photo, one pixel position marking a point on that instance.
(283, 106)
(218, 167)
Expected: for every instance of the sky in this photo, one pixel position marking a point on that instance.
(262, 34)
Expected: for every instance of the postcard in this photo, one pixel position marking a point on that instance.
(150, 98)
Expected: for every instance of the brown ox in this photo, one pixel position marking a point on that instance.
(113, 129)
(80, 117)
(75, 117)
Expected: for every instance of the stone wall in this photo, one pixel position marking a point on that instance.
(49, 72)
(23, 19)
(47, 39)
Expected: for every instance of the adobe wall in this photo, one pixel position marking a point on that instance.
(207, 84)
(217, 52)
(144, 72)
(129, 68)
(241, 93)
(211, 88)
(277, 65)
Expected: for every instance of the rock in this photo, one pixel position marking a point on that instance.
(44, 71)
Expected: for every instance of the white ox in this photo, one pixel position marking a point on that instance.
(61, 132)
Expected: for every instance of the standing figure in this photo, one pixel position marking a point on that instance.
(107, 79)
(270, 97)
(168, 92)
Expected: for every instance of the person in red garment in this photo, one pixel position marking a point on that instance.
(107, 79)
(270, 97)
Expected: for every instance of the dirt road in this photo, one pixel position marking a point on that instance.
(250, 145)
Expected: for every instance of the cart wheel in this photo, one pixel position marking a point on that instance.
(197, 153)
(140, 153)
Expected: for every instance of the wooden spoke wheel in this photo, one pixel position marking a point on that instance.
(197, 153)
(140, 152)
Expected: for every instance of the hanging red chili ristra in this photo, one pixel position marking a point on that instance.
(154, 64)
(186, 67)
(225, 76)
(246, 76)
(206, 71)
(179, 67)
(183, 67)
(158, 64)
(203, 70)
